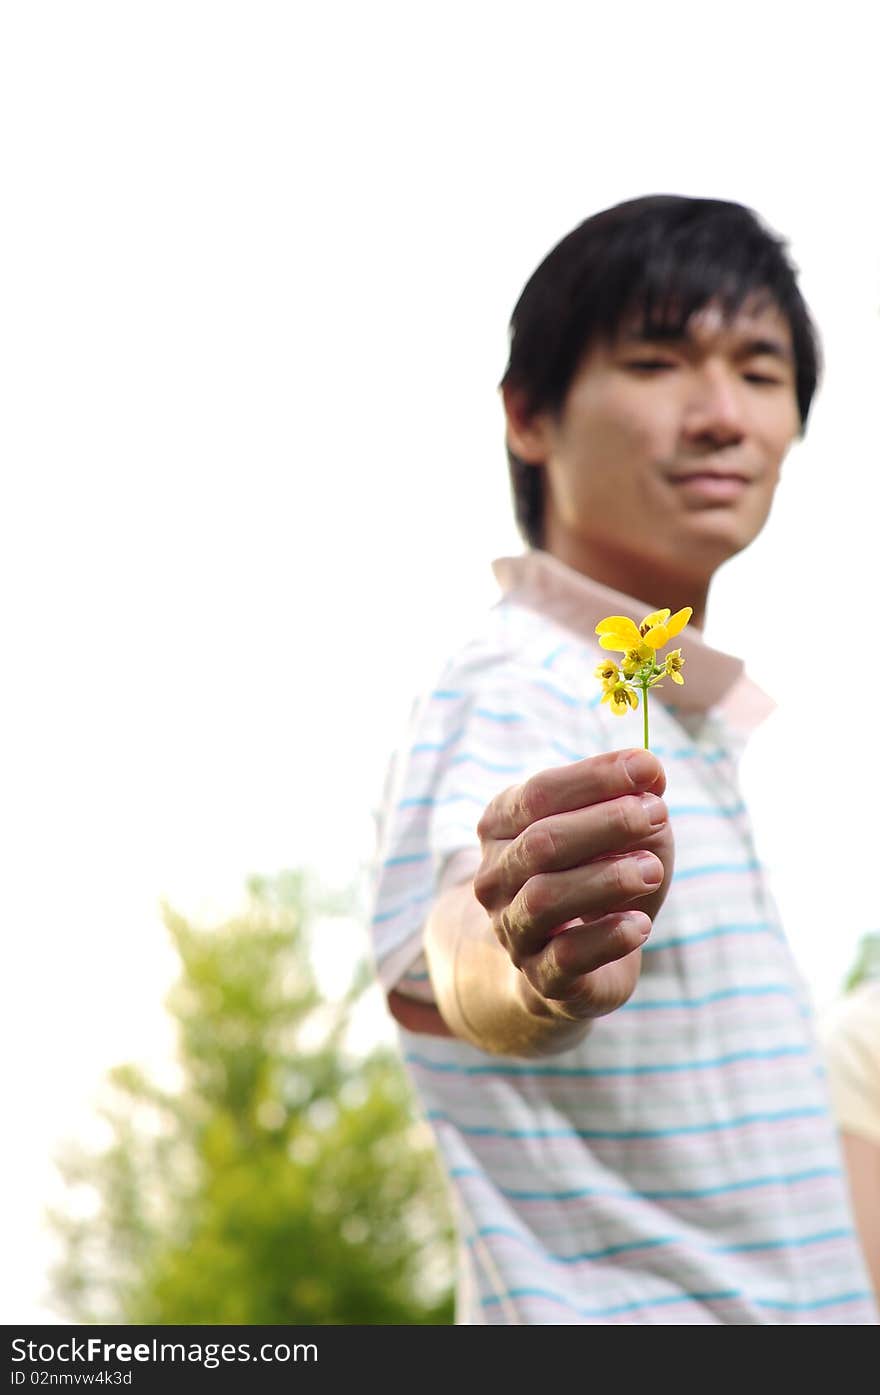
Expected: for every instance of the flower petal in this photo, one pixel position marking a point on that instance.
(621, 697)
(612, 697)
(657, 637)
(607, 671)
(678, 621)
(613, 622)
(657, 617)
(619, 625)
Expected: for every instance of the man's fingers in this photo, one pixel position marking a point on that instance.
(567, 787)
(570, 840)
(550, 898)
(557, 970)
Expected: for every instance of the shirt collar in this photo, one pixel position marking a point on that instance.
(713, 680)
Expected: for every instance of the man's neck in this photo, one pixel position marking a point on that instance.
(645, 578)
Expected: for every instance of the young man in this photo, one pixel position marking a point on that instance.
(616, 1057)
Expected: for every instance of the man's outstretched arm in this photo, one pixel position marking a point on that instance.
(575, 864)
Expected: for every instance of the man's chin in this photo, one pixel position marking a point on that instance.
(698, 555)
(714, 536)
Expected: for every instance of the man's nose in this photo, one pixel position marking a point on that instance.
(715, 410)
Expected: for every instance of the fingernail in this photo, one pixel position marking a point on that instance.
(650, 868)
(654, 808)
(639, 923)
(641, 767)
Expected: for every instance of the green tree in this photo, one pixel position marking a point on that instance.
(866, 964)
(283, 1180)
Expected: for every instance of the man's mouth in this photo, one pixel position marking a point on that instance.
(714, 486)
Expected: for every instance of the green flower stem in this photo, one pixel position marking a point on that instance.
(645, 710)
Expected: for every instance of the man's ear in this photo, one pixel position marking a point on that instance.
(527, 433)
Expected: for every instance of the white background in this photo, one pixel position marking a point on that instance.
(258, 262)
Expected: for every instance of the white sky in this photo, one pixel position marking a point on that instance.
(258, 262)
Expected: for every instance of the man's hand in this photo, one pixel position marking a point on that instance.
(576, 864)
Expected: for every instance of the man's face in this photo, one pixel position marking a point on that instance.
(668, 450)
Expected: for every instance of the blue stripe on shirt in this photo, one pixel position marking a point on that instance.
(718, 1296)
(718, 868)
(437, 1116)
(404, 906)
(428, 802)
(757, 990)
(655, 1242)
(553, 656)
(683, 1194)
(592, 1073)
(761, 927)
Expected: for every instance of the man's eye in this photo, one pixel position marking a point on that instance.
(762, 379)
(650, 365)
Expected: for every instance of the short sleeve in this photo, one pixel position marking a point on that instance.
(851, 1037)
(490, 722)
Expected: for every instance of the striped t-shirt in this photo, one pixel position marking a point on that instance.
(679, 1165)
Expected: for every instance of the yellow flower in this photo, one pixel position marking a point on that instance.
(658, 629)
(620, 633)
(608, 672)
(632, 660)
(674, 662)
(621, 697)
(655, 618)
(639, 667)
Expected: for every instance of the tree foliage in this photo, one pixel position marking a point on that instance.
(282, 1180)
(866, 964)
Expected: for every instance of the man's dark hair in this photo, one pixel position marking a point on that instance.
(661, 259)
